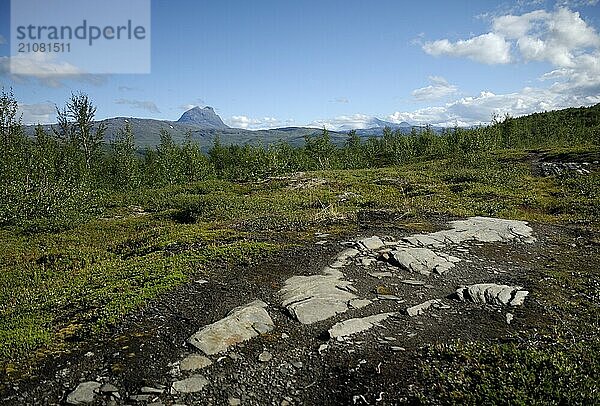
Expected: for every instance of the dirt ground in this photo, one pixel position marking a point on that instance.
(374, 367)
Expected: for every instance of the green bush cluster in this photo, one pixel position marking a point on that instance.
(52, 181)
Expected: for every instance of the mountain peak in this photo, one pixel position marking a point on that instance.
(204, 118)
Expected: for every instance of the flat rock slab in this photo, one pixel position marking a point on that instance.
(347, 254)
(423, 307)
(372, 243)
(318, 297)
(482, 229)
(194, 362)
(413, 282)
(422, 260)
(241, 324)
(354, 326)
(491, 293)
(194, 383)
(84, 393)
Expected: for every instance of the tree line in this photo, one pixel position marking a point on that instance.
(55, 177)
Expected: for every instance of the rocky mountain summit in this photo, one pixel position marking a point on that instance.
(204, 118)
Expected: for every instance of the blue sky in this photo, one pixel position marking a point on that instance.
(338, 64)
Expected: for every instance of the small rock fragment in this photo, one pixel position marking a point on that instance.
(509, 318)
(148, 389)
(265, 356)
(413, 282)
(194, 362)
(84, 393)
(194, 383)
(354, 326)
(359, 303)
(372, 243)
(421, 308)
(380, 275)
(108, 388)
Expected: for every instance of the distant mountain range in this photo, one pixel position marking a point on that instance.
(204, 125)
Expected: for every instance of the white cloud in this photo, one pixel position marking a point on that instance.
(480, 109)
(559, 37)
(2, 40)
(147, 105)
(490, 48)
(344, 123)
(248, 123)
(45, 68)
(577, 3)
(38, 113)
(438, 89)
(514, 27)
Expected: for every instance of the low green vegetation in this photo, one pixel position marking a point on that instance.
(91, 232)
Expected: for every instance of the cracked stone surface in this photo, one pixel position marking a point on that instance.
(423, 260)
(353, 326)
(241, 324)
(318, 297)
(492, 293)
(482, 229)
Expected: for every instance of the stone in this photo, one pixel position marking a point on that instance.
(372, 243)
(347, 254)
(148, 389)
(241, 324)
(194, 383)
(353, 326)
(413, 282)
(359, 303)
(366, 262)
(318, 297)
(142, 398)
(234, 401)
(491, 293)
(389, 297)
(422, 260)
(265, 356)
(84, 393)
(194, 362)
(421, 308)
(380, 275)
(481, 229)
(108, 388)
(509, 318)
